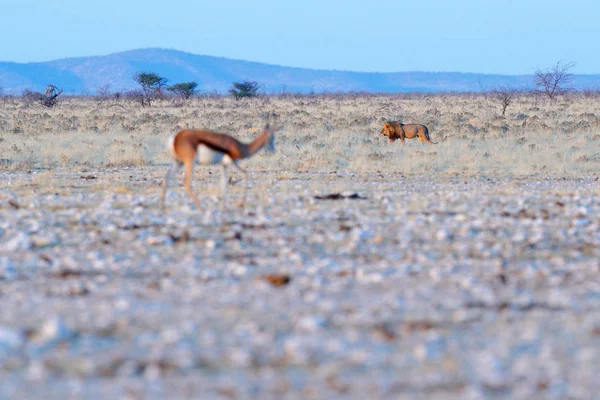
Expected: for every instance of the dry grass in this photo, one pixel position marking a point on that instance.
(332, 133)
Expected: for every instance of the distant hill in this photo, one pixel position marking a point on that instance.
(87, 74)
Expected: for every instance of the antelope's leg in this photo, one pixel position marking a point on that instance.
(176, 165)
(245, 178)
(223, 184)
(189, 170)
(223, 180)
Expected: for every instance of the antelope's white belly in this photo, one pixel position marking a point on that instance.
(208, 156)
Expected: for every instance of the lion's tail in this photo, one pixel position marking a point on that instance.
(427, 135)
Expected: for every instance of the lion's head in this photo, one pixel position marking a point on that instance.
(389, 130)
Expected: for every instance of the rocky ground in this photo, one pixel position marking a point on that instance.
(324, 286)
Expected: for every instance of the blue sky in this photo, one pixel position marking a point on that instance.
(489, 36)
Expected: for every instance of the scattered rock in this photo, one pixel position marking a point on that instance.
(278, 280)
(340, 196)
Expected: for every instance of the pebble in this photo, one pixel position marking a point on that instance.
(420, 287)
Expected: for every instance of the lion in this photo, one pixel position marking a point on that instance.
(396, 130)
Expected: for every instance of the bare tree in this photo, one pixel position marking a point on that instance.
(135, 95)
(48, 99)
(51, 95)
(506, 95)
(554, 81)
(105, 96)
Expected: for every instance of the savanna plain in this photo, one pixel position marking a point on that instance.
(357, 268)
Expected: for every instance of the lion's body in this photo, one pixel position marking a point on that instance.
(396, 130)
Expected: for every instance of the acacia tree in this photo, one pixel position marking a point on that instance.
(506, 95)
(152, 86)
(553, 81)
(184, 90)
(244, 89)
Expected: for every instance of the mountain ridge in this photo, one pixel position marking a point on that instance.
(84, 75)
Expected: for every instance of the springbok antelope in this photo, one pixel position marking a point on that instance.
(212, 148)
